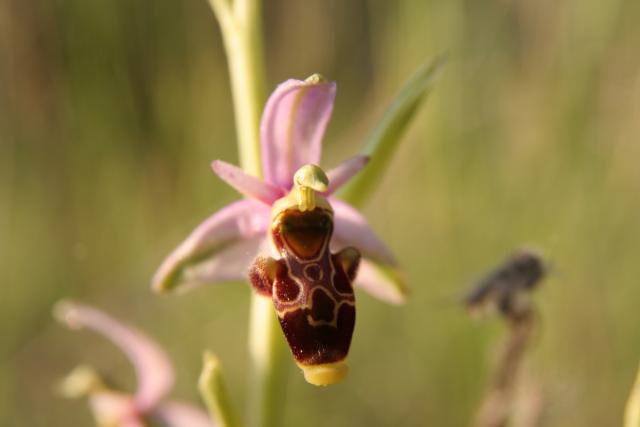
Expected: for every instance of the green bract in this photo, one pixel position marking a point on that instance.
(385, 138)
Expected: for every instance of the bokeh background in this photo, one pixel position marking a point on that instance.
(111, 111)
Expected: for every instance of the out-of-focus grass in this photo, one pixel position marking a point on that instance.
(112, 110)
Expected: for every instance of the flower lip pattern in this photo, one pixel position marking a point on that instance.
(223, 247)
(153, 370)
(309, 285)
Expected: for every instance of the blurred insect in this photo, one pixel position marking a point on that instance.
(507, 287)
(310, 287)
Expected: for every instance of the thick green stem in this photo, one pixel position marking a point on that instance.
(241, 24)
(266, 382)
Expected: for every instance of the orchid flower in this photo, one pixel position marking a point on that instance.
(223, 247)
(153, 370)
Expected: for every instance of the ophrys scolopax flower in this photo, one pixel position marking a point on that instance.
(224, 246)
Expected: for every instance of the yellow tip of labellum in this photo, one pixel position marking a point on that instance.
(325, 374)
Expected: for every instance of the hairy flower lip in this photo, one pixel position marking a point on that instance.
(292, 129)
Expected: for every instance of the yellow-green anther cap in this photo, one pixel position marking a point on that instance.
(82, 381)
(307, 180)
(315, 79)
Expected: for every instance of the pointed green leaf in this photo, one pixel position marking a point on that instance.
(213, 391)
(385, 138)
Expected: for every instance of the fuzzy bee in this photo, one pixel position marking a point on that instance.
(311, 287)
(508, 285)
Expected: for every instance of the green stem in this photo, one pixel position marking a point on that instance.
(266, 382)
(241, 24)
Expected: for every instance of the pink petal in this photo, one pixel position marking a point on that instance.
(352, 229)
(227, 229)
(292, 127)
(246, 184)
(383, 282)
(153, 369)
(229, 264)
(175, 414)
(345, 171)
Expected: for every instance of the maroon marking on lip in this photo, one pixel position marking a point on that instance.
(322, 306)
(341, 282)
(314, 345)
(313, 272)
(304, 232)
(286, 290)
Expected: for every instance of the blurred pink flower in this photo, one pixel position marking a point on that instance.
(153, 371)
(223, 246)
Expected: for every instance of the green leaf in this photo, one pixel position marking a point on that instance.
(385, 138)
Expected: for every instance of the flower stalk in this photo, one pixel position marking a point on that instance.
(508, 289)
(266, 353)
(241, 25)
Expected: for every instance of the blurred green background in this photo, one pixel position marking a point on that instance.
(111, 111)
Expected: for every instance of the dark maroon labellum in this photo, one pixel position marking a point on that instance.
(310, 287)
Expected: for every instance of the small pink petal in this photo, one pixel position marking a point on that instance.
(239, 221)
(246, 184)
(383, 282)
(153, 368)
(293, 126)
(352, 229)
(345, 171)
(175, 414)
